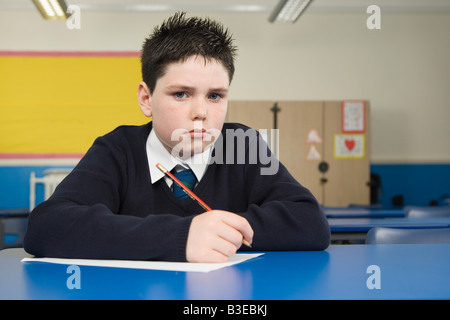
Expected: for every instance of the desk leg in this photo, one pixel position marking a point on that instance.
(2, 235)
(348, 237)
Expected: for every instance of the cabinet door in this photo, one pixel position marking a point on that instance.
(298, 120)
(306, 139)
(347, 178)
(255, 114)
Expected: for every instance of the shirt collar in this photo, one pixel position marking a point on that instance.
(157, 153)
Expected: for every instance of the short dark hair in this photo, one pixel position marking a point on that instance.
(179, 38)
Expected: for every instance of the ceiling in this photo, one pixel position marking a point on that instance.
(244, 6)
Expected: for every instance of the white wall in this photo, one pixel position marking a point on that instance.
(403, 69)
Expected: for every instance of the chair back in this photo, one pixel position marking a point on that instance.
(382, 235)
(14, 230)
(51, 179)
(428, 212)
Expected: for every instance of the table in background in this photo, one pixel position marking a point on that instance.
(340, 272)
(357, 228)
(356, 212)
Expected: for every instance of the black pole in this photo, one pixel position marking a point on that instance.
(275, 111)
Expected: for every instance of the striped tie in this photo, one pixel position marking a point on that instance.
(187, 178)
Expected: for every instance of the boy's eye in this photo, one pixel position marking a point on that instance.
(180, 95)
(214, 96)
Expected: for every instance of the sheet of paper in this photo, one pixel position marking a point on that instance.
(150, 265)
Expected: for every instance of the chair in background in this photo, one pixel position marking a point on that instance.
(428, 212)
(50, 180)
(382, 235)
(14, 231)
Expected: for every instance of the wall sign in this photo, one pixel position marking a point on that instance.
(313, 137)
(313, 154)
(349, 146)
(353, 117)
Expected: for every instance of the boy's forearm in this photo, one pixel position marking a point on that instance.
(93, 232)
(288, 224)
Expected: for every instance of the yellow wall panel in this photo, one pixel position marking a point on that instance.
(60, 104)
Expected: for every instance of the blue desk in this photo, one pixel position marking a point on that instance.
(363, 213)
(357, 228)
(365, 224)
(340, 272)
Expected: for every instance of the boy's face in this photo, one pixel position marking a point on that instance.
(188, 105)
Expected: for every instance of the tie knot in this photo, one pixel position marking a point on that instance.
(187, 178)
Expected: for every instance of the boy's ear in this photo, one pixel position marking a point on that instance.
(144, 97)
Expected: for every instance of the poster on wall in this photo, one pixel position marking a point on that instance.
(353, 117)
(313, 137)
(349, 146)
(313, 154)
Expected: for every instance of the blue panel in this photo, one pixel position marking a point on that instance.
(15, 185)
(419, 184)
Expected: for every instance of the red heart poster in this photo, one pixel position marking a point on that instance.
(349, 146)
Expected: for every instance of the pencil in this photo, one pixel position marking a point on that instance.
(183, 187)
(191, 194)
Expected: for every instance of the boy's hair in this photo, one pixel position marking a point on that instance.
(179, 38)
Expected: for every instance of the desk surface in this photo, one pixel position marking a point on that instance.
(363, 213)
(365, 224)
(340, 272)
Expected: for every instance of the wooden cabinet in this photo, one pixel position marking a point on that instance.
(312, 144)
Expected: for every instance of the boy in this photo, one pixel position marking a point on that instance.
(116, 204)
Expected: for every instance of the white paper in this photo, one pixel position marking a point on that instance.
(150, 265)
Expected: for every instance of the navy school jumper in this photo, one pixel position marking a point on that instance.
(107, 207)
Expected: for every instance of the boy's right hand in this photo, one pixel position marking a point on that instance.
(216, 235)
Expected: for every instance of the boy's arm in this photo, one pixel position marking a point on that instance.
(81, 220)
(284, 215)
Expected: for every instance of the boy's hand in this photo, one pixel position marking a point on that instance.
(216, 235)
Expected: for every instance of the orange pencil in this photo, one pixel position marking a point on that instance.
(183, 187)
(190, 193)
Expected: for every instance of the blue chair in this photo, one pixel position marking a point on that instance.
(382, 235)
(428, 212)
(14, 230)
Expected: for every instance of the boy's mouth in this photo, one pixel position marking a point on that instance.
(197, 133)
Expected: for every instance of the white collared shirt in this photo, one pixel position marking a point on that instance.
(157, 153)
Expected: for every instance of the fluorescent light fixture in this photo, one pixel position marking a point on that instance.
(288, 10)
(52, 9)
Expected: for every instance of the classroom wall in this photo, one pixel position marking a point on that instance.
(70, 99)
(402, 69)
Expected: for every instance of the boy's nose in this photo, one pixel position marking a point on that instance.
(199, 110)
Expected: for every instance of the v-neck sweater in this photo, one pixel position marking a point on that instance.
(107, 207)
